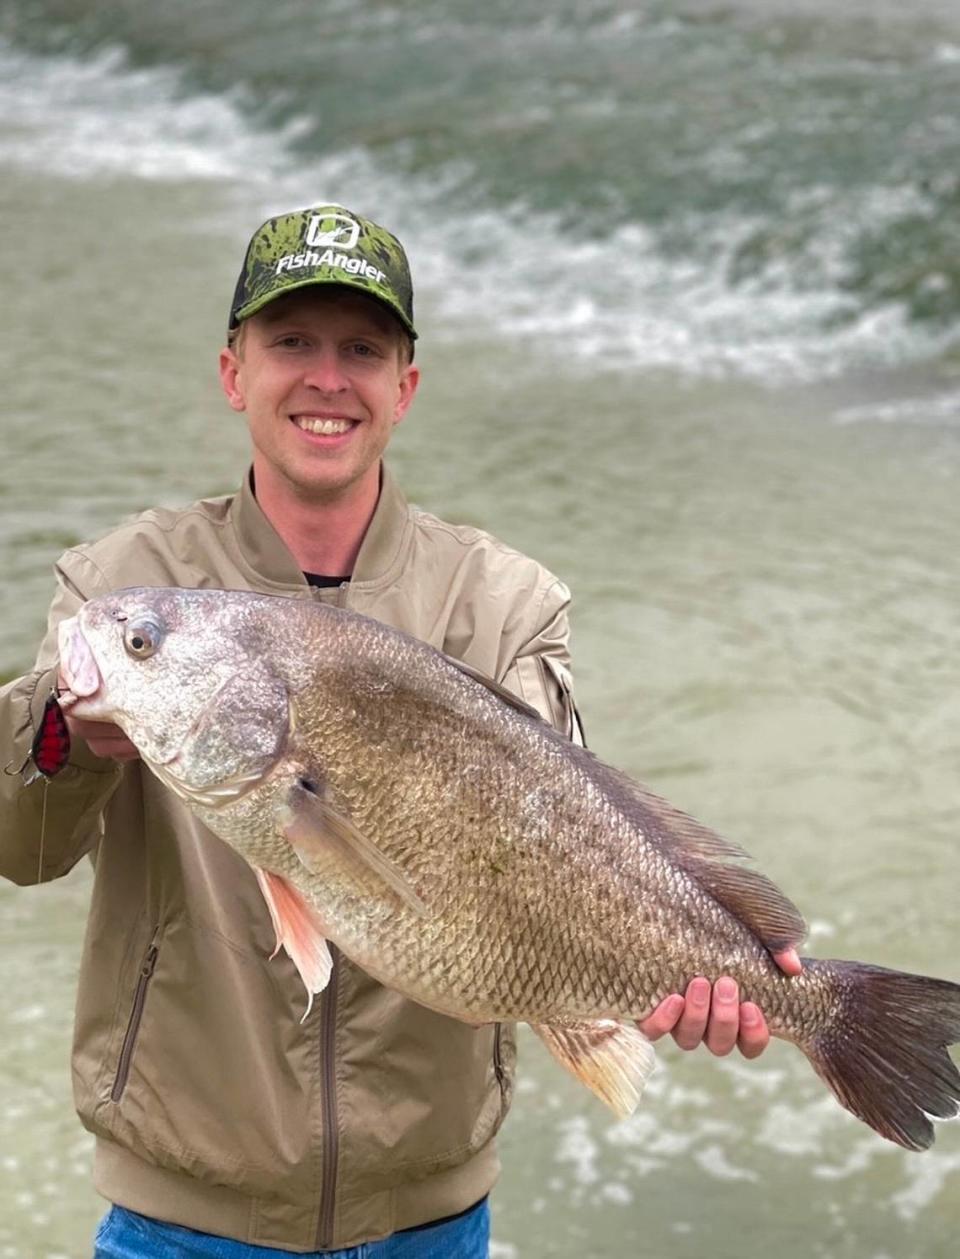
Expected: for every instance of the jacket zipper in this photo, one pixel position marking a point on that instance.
(133, 1027)
(328, 1102)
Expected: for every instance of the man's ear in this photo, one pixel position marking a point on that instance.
(409, 380)
(231, 379)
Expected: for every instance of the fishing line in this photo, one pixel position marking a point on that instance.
(43, 828)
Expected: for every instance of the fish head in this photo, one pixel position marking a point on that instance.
(186, 675)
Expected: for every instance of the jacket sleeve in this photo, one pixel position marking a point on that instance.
(540, 670)
(67, 809)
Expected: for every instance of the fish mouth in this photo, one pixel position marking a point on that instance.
(86, 696)
(77, 664)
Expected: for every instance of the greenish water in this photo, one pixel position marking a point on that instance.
(739, 450)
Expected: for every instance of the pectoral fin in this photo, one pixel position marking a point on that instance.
(299, 932)
(315, 828)
(613, 1059)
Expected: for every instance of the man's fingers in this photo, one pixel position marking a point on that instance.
(91, 729)
(664, 1018)
(724, 1024)
(113, 749)
(116, 747)
(754, 1034)
(103, 739)
(688, 1032)
(713, 1016)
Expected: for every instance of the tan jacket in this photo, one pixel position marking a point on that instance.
(212, 1105)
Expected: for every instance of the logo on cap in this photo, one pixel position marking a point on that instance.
(344, 233)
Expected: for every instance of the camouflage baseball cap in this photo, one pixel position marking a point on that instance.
(325, 244)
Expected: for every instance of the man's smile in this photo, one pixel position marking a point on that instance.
(324, 426)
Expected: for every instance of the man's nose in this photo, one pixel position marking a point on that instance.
(325, 372)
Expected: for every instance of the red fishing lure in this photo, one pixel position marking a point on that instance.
(51, 747)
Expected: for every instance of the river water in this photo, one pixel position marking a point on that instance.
(690, 310)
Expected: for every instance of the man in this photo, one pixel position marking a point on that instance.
(223, 1125)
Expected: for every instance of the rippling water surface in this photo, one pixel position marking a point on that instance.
(688, 294)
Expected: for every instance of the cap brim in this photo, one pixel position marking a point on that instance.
(251, 308)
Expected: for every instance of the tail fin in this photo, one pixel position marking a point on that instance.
(884, 1053)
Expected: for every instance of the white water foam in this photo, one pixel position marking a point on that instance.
(935, 409)
(926, 1179)
(619, 300)
(86, 118)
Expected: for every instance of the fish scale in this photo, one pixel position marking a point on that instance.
(461, 851)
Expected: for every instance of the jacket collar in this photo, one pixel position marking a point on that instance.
(380, 552)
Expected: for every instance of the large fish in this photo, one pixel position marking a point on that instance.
(459, 850)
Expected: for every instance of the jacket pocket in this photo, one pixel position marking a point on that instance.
(133, 1025)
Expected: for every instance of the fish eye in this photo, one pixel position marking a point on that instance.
(142, 638)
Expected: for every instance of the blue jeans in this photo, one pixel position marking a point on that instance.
(125, 1235)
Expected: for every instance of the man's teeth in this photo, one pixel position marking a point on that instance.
(325, 427)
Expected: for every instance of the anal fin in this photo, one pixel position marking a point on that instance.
(612, 1059)
(299, 931)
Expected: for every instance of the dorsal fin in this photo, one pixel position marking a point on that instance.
(711, 860)
(496, 688)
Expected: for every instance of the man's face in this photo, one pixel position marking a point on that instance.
(323, 377)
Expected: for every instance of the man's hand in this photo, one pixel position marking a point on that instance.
(716, 1018)
(103, 738)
